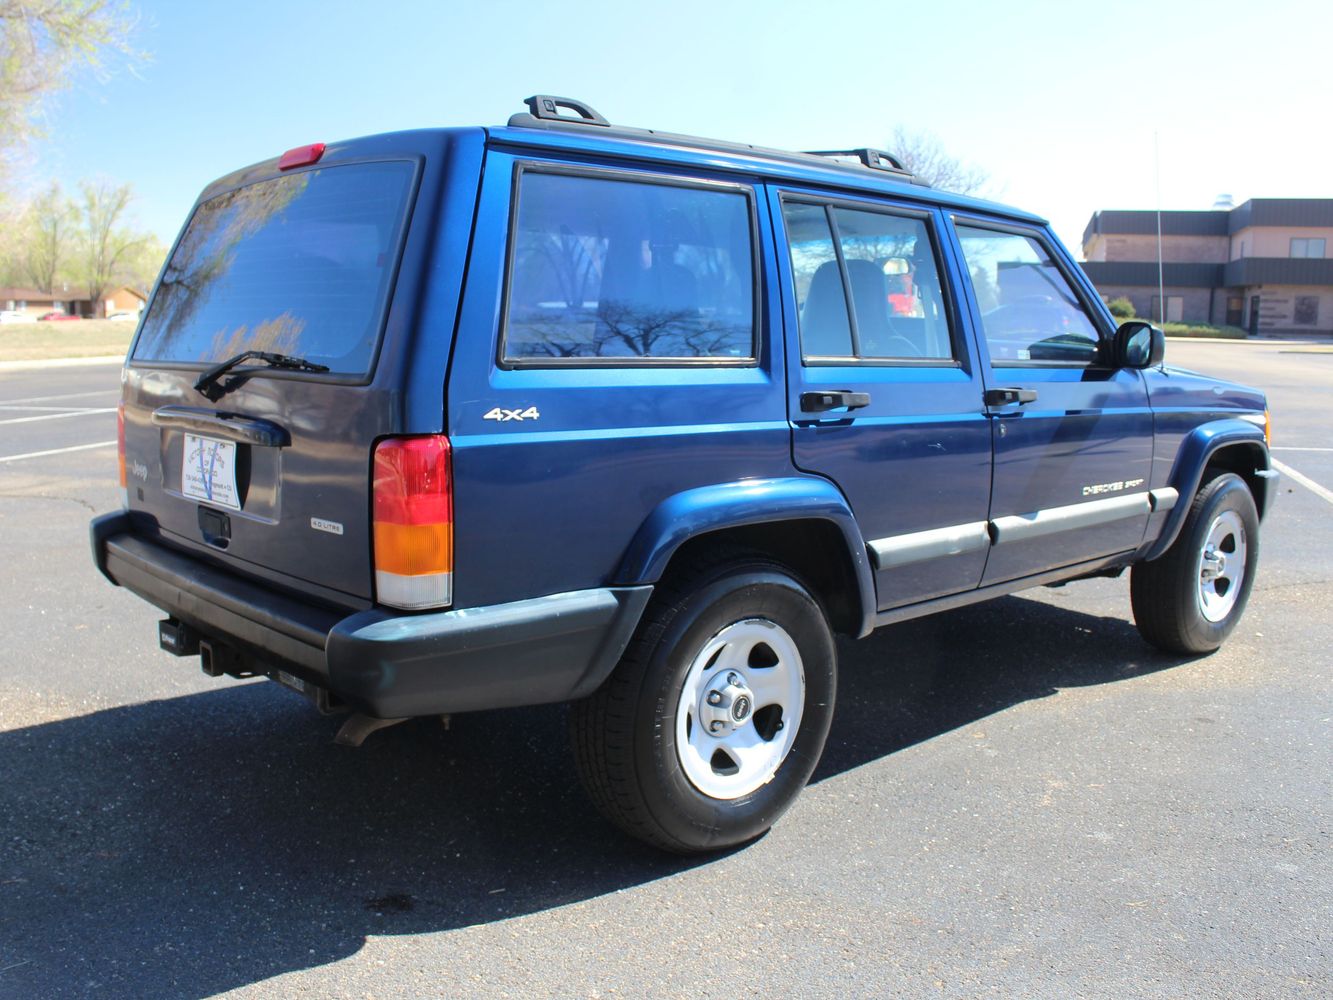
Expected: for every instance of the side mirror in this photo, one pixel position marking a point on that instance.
(1138, 345)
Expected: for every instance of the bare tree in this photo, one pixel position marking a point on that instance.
(41, 42)
(107, 245)
(922, 153)
(49, 237)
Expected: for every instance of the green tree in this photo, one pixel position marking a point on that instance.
(41, 43)
(109, 250)
(48, 233)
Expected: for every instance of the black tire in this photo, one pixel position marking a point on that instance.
(625, 734)
(1165, 593)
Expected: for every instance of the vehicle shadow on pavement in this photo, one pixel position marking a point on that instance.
(184, 847)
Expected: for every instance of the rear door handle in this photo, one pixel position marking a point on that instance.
(818, 402)
(1009, 396)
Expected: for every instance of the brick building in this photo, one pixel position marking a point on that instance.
(1263, 265)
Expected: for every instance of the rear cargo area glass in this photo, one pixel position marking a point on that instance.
(300, 264)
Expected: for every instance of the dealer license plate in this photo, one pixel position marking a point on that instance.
(208, 471)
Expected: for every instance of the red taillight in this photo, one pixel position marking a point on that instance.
(120, 454)
(414, 522)
(301, 156)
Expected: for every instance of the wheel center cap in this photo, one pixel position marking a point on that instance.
(727, 704)
(740, 708)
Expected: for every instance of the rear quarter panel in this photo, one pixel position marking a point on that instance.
(551, 504)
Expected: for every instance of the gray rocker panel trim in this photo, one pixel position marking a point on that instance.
(920, 546)
(955, 539)
(1052, 520)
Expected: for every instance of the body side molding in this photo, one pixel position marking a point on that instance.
(1074, 517)
(935, 543)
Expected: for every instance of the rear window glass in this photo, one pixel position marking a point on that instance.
(299, 265)
(619, 269)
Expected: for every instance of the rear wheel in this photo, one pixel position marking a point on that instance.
(715, 718)
(1190, 599)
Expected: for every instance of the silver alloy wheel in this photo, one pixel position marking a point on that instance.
(740, 708)
(1222, 566)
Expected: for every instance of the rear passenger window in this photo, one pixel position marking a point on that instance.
(1029, 311)
(886, 268)
(626, 270)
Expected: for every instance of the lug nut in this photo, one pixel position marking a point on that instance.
(715, 726)
(734, 679)
(715, 697)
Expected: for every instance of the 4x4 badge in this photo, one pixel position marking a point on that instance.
(501, 414)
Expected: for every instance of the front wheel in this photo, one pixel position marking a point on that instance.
(715, 718)
(1190, 599)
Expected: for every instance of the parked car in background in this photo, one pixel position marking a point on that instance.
(13, 316)
(54, 317)
(124, 317)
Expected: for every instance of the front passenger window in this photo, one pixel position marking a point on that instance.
(1029, 311)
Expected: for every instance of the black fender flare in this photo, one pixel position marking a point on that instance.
(1199, 446)
(705, 509)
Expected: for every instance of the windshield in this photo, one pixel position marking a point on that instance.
(297, 265)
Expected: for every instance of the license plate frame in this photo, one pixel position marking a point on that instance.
(208, 471)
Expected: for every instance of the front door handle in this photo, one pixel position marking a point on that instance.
(1008, 396)
(818, 402)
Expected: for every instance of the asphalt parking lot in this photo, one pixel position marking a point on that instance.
(1019, 798)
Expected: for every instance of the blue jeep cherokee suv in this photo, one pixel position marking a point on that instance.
(469, 418)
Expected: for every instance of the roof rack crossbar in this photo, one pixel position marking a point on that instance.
(875, 159)
(546, 107)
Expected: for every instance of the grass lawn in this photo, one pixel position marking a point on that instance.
(82, 338)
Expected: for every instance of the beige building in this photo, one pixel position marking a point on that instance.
(1264, 265)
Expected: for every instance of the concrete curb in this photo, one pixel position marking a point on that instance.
(23, 366)
(1259, 341)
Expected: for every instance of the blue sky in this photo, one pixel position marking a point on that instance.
(1058, 102)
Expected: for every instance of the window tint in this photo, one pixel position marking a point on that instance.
(896, 295)
(1029, 312)
(621, 269)
(300, 264)
(825, 329)
(897, 302)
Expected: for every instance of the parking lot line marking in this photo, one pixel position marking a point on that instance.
(56, 416)
(1309, 484)
(63, 395)
(1294, 448)
(57, 451)
(47, 409)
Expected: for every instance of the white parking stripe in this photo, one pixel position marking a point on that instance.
(55, 416)
(57, 451)
(1309, 484)
(1300, 449)
(65, 395)
(22, 408)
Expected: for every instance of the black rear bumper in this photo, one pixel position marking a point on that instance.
(385, 663)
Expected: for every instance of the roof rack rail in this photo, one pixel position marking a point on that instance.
(546, 107)
(875, 159)
(548, 112)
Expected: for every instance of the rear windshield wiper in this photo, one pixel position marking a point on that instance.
(207, 383)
